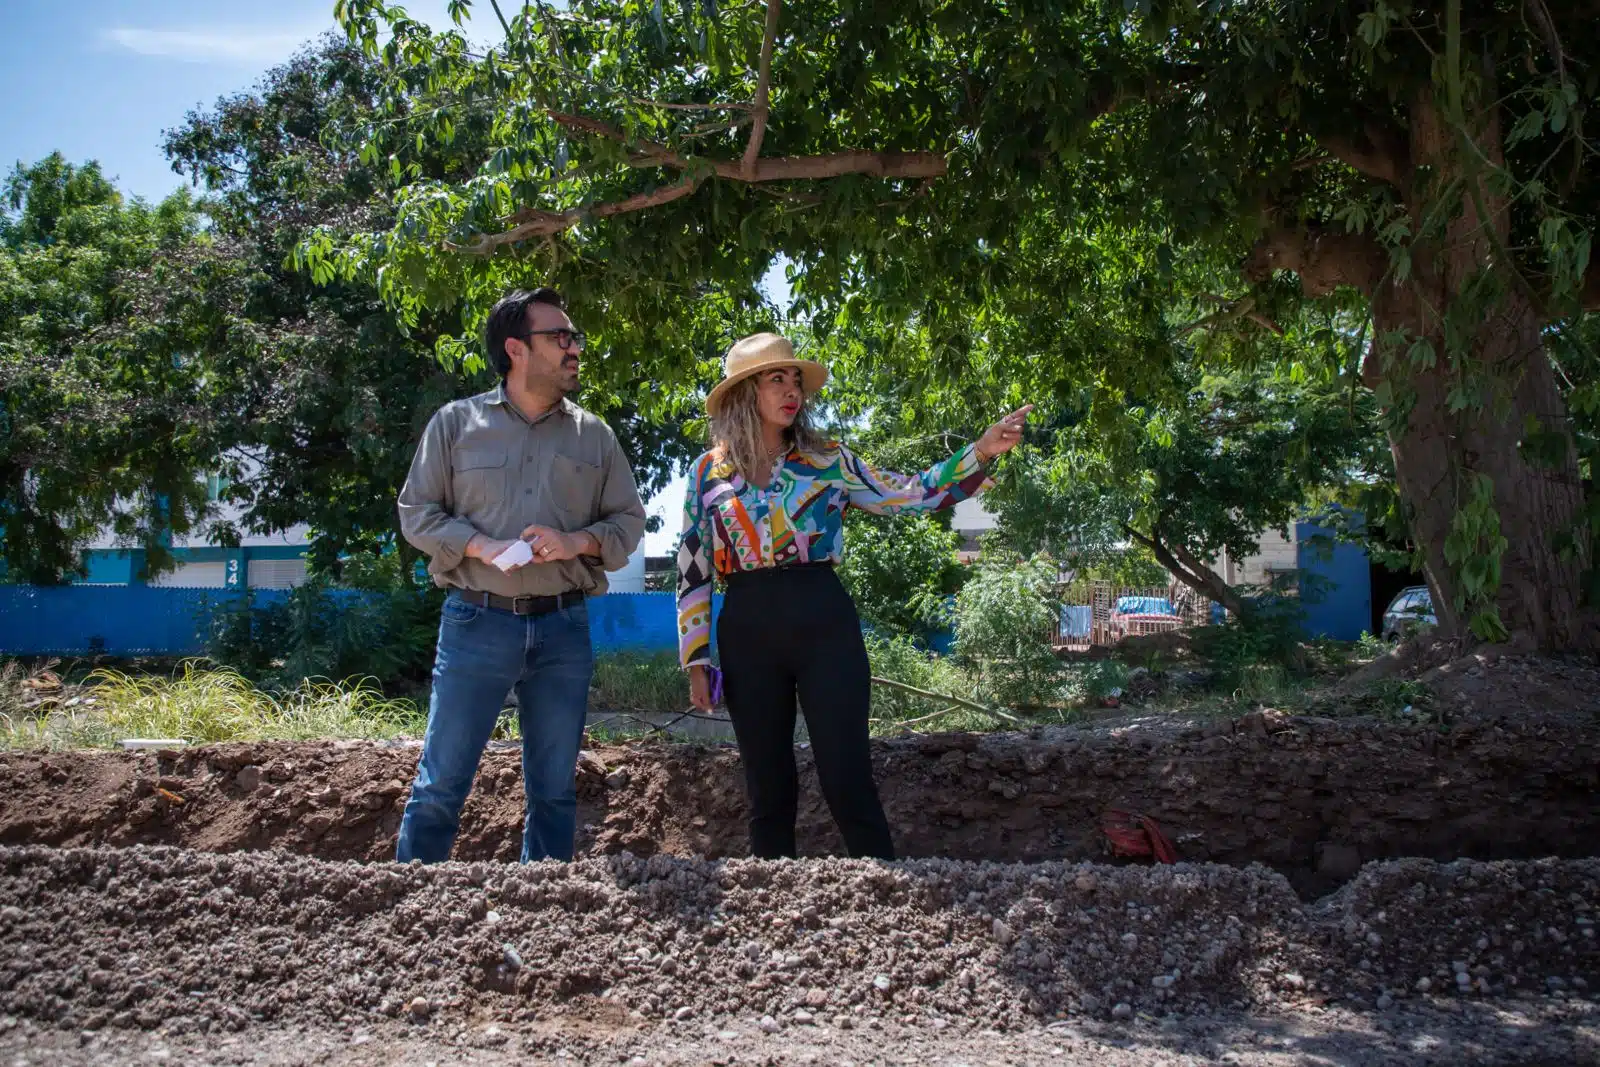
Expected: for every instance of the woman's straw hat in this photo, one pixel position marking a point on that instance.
(759, 352)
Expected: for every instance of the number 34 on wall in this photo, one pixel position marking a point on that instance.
(231, 579)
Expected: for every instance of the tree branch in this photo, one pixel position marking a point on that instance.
(1188, 570)
(1229, 312)
(1552, 39)
(995, 712)
(1264, 322)
(1380, 151)
(644, 102)
(752, 150)
(774, 169)
(1324, 259)
(535, 223)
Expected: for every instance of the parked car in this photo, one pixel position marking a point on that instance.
(1411, 609)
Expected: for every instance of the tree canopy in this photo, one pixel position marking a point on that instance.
(105, 412)
(924, 166)
(328, 389)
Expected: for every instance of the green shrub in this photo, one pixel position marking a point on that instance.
(899, 659)
(1102, 678)
(381, 623)
(900, 571)
(1004, 617)
(1266, 636)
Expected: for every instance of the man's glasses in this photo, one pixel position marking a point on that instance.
(566, 340)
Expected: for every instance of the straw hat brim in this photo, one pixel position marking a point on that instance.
(813, 376)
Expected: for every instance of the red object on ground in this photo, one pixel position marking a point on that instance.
(1133, 834)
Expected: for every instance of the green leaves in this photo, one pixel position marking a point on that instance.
(898, 571)
(107, 418)
(1001, 615)
(1474, 549)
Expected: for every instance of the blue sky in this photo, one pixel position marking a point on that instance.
(101, 79)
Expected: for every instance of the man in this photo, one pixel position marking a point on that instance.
(520, 462)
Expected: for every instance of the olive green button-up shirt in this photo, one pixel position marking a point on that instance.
(483, 467)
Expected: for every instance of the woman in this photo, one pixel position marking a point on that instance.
(763, 510)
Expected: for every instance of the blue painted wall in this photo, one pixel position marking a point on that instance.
(114, 566)
(118, 620)
(125, 620)
(1335, 585)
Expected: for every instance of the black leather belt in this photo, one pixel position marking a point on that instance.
(522, 605)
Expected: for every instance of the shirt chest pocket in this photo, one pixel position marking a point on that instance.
(575, 490)
(479, 480)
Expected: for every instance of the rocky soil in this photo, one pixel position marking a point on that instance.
(623, 954)
(1311, 797)
(1550, 1034)
(1353, 891)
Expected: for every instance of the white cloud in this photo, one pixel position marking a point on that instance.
(246, 45)
(228, 44)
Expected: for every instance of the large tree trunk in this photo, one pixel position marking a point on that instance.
(1441, 455)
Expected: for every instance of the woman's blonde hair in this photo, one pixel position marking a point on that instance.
(736, 432)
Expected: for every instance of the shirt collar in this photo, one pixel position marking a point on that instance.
(498, 396)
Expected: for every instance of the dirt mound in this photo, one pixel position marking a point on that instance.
(180, 940)
(1483, 682)
(1313, 798)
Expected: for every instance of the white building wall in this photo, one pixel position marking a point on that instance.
(194, 576)
(971, 519)
(277, 573)
(1276, 554)
(630, 577)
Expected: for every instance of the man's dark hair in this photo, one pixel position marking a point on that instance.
(509, 318)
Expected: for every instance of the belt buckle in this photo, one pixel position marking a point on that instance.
(516, 604)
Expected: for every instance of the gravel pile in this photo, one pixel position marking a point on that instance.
(185, 942)
(1543, 1033)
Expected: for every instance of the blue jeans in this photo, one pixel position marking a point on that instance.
(482, 653)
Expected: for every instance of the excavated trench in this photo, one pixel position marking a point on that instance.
(1494, 904)
(1312, 799)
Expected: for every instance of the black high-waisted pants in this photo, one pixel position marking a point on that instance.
(786, 632)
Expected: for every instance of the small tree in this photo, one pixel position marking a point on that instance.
(107, 421)
(1202, 470)
(1004, 617)
(900, 570)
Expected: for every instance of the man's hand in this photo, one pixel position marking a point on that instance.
(550, 545)
(485, 548)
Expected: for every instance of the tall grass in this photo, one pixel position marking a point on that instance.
(895, 710)
(635, 681)
(200, 704)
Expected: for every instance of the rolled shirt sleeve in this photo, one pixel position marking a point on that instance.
(427, 510)
(620, 526)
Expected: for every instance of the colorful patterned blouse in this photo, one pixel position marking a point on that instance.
(730, 525)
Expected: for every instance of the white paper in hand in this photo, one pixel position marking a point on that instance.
(519, 553)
